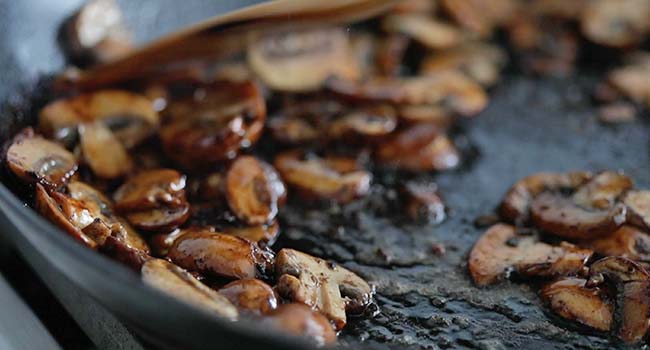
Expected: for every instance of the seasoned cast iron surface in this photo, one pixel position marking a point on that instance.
(426, 298)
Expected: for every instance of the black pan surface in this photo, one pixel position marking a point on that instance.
(425, 297)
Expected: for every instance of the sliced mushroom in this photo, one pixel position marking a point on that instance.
(265, 234)
(423, 202)
(415, 6)
(300, 320)
(322, 285)
(500, 250)
(97, 32)
(431, 114)
(632, 78)
(214, 124)
(516, 204)
(253, 190)
(617, 23)
(561, 216)
(151, 189)
(51, 209)
(160, 243)
(130, 116)
(638, 208)
(390, 53)
(470, 14)
(180, 284)
(317, 178)
(301, 61)
(426, 30)
(218, 254)
(159, 219)
(370, 122)
(293, 130)
(103, 152)
(35, 159)
(617, 113)
(570, 299)
(628, 242)
(632, 285)
(120, 250)
(602, 191)
(421, 147)
(250, 295)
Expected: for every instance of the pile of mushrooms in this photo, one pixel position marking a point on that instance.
(585, 237)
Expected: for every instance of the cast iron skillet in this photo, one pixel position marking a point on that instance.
(426, 298)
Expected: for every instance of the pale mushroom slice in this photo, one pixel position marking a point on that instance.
(573, 301)
(51, 208)
(516, 204)
(562, 217)
(301, 61)
(617, 23)
(420, 147)
(214, 124)
(501, 250)
(632, 78)
(251, 296)
(97, 32)
(322, 285)
(632, 284)
(103, 152)
(151, 189)
(603, 190)
(428, 31)
(638, 208)
(34, 159)
(315, 177)
(300, 320)
(220, 255)
(628, 241)
(130, 116)
(365, 123)
(175, 281)
(253, 190)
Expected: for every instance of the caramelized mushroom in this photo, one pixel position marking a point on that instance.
(217, 254)
(501, 249)
(214, 124)
(292, 130)
(423, 202)
(638, 208)
(632, 284)
(265, 234)
(253, 190)
(617, 23)
(628, 242)
(602, 191)
(130, 116)
(159, 219)
(370, 122)
(516, 204)
(180, 284)
(316, 177)
(103, 152)
(632, 78)
(35, 159)
(570, 299)
(151, 189)
(428, 31)
(301, 61)
(421, 147)
(561, 216)
(300, 320)
(250, 295)
(322, 285)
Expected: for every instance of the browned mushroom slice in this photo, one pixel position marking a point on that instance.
(479, 61)
(516, 204)
(566, 10)
(479, 16)
(628, 242)
(602, 191)
(570, 299)
(430, 32)
(423, 202)
(369, 122)
(178, 283)
(638, 208)
(214, 123)
(300, 320)
(501, 249)
(632, 284)
(390, 52)
(632, 79)
(421, 147)
(292, 130)
(160, 243)
(130, 116)
(316, 178)
(253, 190)
(617, 112)
(616, 23)
(35, 159)
(217, 254)
(103, 152)
(415, 6)
(250, 295)
(561, 216)
(265, 234)
(322, 285)
(97, 32)
(159, 219)
(431, 114)
(151, 189)
(120, 250)
(302, 60)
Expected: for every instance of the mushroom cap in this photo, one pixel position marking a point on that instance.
(250, 295)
